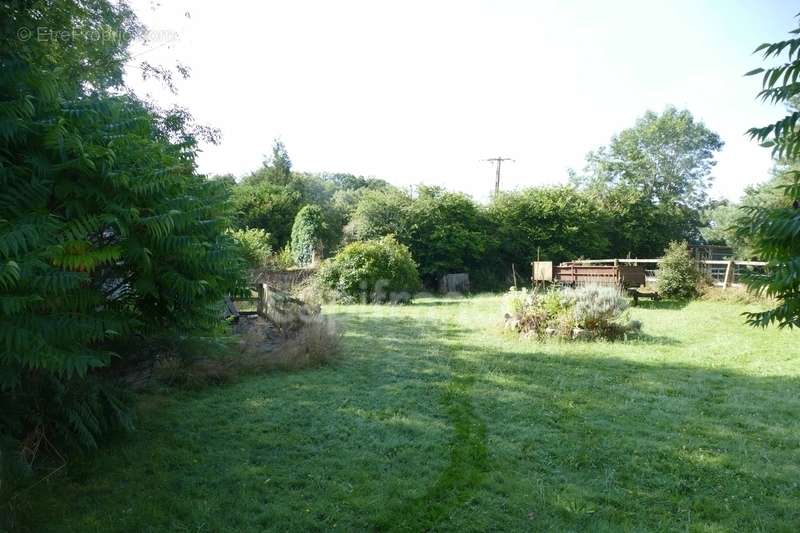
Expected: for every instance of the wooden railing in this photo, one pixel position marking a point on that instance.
(723, 273)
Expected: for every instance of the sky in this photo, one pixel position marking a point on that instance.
(421, 92)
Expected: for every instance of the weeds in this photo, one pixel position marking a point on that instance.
(260, 349)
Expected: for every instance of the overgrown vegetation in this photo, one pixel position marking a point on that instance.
(374, 271)
(585, 312)
(255, 246)
(107, 233)
(678, 276)
(315, 342)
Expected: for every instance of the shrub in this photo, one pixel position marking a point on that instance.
(309, 225)
(559, 223)
(255, 245)
(596, 307)
(678, 275)
(371, 271)
(282, 260)
(585, 312)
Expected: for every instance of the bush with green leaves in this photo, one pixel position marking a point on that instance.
(309, 226)
(374, 271)
(678, 275)
(254, 244)
(106, 230)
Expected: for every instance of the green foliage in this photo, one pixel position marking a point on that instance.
(106, 230)
(377, 271)
(721, 219)
(268, 207)
(775, 229)
(271, 197)
(653, 180)
(307, 231)
(382, 212)
(678, 276)
(255, 246)
(446, 233)
(560, 223)
(719, 228)
(277, 167)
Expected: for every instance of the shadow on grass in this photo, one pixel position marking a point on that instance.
(652, 339)
(649, 425)
(674, 305)
(426, 426)
(437, 303)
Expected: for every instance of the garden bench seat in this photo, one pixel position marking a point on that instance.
(642, 292)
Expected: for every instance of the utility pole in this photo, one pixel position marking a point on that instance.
(499, 161)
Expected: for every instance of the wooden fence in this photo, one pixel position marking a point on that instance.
(722, 273)
(280, 308)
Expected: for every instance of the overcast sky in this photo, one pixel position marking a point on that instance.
(420, 92)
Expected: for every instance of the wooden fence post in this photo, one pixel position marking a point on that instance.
(728, 275)
(262, 299)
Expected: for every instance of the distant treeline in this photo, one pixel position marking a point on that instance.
(646, 188)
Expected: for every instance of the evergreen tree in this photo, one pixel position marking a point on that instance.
(307, 231)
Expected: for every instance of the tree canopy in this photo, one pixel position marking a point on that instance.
(106, 229)
(654, 179)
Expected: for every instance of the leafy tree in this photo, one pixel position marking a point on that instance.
(719, 227)
(562, 222)
(653, 179)
(678, 275)
(271, 197)
(446, 233)
(774, 229)
(307, 231)
(277, 168)
(380, 270)
(255, 245)
(267, 206)
(380, 213)
(106, 229)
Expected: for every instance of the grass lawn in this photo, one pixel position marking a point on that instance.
(437, 420)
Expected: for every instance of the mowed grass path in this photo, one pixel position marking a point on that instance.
(436, 420)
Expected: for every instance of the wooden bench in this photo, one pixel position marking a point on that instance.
(640, 292)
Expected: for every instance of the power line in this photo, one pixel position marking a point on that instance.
(499, 161)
